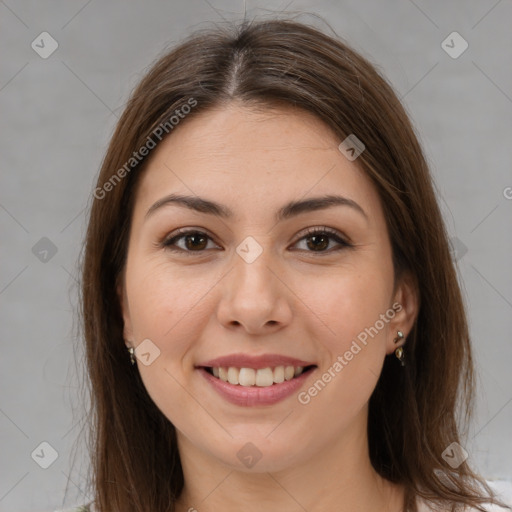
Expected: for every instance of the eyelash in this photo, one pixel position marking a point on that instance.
(169, 243)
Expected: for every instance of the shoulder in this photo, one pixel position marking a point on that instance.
(502, 489)
(424, 506)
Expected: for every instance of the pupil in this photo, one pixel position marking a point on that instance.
(315, 239)
(195, 236)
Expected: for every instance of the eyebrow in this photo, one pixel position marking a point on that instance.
(289, 210)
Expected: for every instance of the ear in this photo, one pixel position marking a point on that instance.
(125, 310)
(406, 305)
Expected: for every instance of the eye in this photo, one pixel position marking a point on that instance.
(318, 240)
(194, 241)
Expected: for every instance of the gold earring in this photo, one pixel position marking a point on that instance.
(131, 350)
(399, 352)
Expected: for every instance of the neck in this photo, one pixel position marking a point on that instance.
(340, 478)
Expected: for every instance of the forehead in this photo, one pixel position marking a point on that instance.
(253, 159)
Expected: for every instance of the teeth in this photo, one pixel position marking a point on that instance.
(279, 374)
(233, 375)
(246, 377)
(262, 377)
(289, 372)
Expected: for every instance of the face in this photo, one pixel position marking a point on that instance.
(290, 300)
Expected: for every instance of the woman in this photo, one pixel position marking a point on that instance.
(271, 313)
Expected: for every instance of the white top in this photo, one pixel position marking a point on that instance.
(423, 506)
(502, 488)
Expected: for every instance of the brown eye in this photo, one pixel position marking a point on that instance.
(194, 241)
(318, 242)
(319, 239)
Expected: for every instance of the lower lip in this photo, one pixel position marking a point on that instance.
(250, 396)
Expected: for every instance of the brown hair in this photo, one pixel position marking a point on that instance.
(413, 410)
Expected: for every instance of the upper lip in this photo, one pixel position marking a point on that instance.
(256, 362)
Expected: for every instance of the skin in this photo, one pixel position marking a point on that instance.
(293, 299)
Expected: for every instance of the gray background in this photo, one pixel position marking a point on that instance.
(57, 115)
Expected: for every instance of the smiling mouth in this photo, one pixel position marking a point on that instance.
(261, 377)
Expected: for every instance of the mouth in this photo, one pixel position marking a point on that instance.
(256, 380)
(257, 377)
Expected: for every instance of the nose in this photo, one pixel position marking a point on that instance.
(254, 297)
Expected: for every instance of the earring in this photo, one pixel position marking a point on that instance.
(131, 350)
(399, 352)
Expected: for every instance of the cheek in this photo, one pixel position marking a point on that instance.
(166, 308)
(354, 344)
(162, 301)
(354, 348)
(347, 303)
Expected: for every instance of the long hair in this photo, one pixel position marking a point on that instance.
(414, 411)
